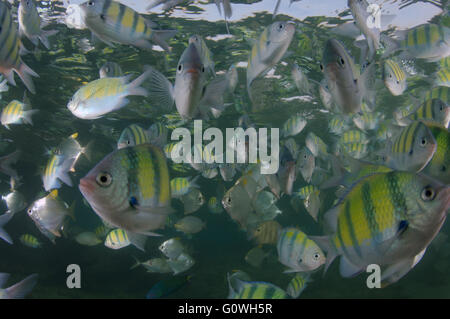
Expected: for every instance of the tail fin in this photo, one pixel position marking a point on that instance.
(5, 218)
(24, 73)
(87, 150)
(6, 161)
(44, 37)
(23, 288)
(137, 240)
(134, 88)
(4, 86)
(137, 264)
(161, 36)
(27, 116)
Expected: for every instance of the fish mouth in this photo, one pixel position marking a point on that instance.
(86, 186)
(192, 71)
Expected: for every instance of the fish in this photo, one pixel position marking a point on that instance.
(87, 239)
(301, 80)
(190, 225)
(172, 248)
(293, 126)
(427, 41)
(30, 241)
(30, 24)
(180, 186)
(132, 135)
(237, 204)
(312, 204)
(356, 150)
(387, 219)
(168, 286)
(105, 95)
(433, 111)
(316, 145)
(306, 164)
(353, 136)
(157, 134)
(154, 265)
(325, 95)
(110, 70)
(130, 189)
(214, 205)
(70, 148)
(298, 252)
(114, 22)
(442, 77)
(256, 290)
(56, 171)
(255, 256)
(192, 201)
(305, 191)
(19, 290)
(10, 45)
(367, 121)
(439, 165)
(297, 284)
(411, 150)
(394, 77)
(17, 112)
(268, 50)
(205, 54)
(4, 219)
(346, 84)
(267, 232)
(49, 214)
(181, 264)
(192, 95)
(102, 231)
(338, 124)
(15, 202)
(118, 238)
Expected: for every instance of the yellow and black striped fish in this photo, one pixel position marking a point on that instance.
(439, 166)
(132, 135)
(130, 189)
(17, 112)
(112, 22)
(10, 45)
(30, 241)
(443, 77)
(257, 290)
(411, 150)
(433, 111)
(386, 219)
(267, 232)
(117, 239)
(394, 77)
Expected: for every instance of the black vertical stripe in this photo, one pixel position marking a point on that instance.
(120, 17)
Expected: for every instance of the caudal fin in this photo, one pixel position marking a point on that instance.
(44, 37)
(23, 288)
(134, 88)
(25, 73)
(5, 218)
(161, 36)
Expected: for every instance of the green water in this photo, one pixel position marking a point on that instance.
(220, 247)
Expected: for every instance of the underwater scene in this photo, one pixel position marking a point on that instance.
(240, 149)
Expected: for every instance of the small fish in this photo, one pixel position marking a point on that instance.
(30, 24)
(338, 124)
(113, 22)
(181, 186)
(105, 95)
(154, 265)
(267, 232)
(102, 231)
(411, 150)
(387, 219)
(132, 135)
(394, 77)
(298, 284)
(353, 136)
(204, 52)
(312, 204)
(293, 126)
(110, 70)
(433, 111)
(367, 121)
(181, 264)
(15, 201)
(214, 206)
(263, 202)
(49, 214)
(227, 171)
(439, 166)
(301, 80)
(4, 219)
(157, 133)
(19, 290)
(10, 45)
(237, 204)
(192, 201)
(306, 163)
(256, 290)
(316, 145)
(190, 225)
(255, 256)
(440, 92)
(325, 95)
(305, 191)
(130, 189)
(168, 286)
(30, 241)
(356, 150)
(268, 50)
(117, 239)
(232, 282)
(70, 148)
(87, 239)
(298, 252)
(427, 41)
(345, 83)
(172, 248)
(442, 77)
(56, 170)
(17, 113)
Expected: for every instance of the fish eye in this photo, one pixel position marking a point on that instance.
(128, 142)
(390, 76)
(280, 26)
(428, 193)
(180, 67)
(423, 142)
(203, 69)
(104, 179)
(443, 168)
(341, 61)
(229, 200)
(91, 3)
(321, 67)
(29, 211)
(316, 256)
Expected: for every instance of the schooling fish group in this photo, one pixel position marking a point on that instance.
(391, 172)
